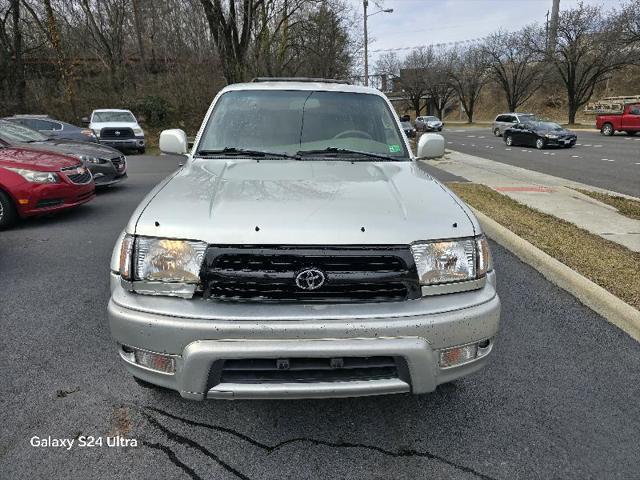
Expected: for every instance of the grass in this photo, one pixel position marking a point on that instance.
(625, 206)
(608, 264)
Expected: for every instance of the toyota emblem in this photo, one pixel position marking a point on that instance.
(117, 132)
(310, 279)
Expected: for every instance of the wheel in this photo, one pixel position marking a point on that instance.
(508, 140)
(496, 132)
(7, 211)
(142, 150)
(540, 144)
(607, 130)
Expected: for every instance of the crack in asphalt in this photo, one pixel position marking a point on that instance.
(174, 459)
(272, 448)
(176, 437)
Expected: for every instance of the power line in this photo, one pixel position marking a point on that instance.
(445, 44)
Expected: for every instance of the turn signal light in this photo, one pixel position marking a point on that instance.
(452, 357)
(150, 360)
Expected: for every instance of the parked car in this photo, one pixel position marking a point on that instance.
(627, 121)
(540, 135)
(54, 128)
(36, 182)
(117, 128)
(408, 129)
(506, 120)
(108, 166)
(311, 258)
(428, 124)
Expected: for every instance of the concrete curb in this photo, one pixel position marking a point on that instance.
(614, 310)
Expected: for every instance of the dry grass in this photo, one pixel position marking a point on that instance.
(606, 263)
(625, 206)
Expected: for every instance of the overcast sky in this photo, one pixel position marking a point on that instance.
(419, 22)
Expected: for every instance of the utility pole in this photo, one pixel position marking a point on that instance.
(365, 3)
(553, 27)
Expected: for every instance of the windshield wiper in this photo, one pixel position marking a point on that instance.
(344, 152)
(236, 152)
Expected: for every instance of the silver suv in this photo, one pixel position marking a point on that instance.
(301, 251)
(506, 120)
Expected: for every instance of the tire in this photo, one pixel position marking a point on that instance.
(142, 150)
(540, 144)
(607, 130)
(496, 132)
(508, 140)
(7, 211)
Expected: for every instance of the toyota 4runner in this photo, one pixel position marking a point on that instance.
(301, 251)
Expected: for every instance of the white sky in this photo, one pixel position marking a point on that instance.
(420, 22)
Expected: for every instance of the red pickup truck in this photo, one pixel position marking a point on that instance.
(627, 121)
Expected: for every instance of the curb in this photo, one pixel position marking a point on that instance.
(614, 310)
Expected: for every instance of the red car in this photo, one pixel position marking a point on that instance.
(627, 121)
(35, 182)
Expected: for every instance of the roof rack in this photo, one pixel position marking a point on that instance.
(298, 79)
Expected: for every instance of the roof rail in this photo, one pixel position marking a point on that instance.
(298, 79)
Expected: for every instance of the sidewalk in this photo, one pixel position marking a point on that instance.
(548, 194)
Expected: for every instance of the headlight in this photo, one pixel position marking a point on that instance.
(97, 133)
(35, 176)
(161, 266)
(138, 131)
(88, 132)
(451, 261)
(551, 135)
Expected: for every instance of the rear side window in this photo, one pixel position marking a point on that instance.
(635, 110)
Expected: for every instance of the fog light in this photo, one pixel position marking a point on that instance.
(150, 360)
(452, 357)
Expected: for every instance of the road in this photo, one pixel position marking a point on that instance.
(558, 400)
(612, 163)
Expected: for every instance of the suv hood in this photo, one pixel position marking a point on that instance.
(33, 158)
(282, 202)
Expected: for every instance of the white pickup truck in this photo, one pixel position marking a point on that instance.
(117, 128)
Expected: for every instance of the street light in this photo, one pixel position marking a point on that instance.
(365, 3)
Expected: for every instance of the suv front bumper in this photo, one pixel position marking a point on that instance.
(197, 333)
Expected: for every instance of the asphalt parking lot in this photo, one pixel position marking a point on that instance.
(558, 400)
(606, 162)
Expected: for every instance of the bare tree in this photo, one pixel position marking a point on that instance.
(629, 17)
(469, 72)
(589, 49)
(515, 66)
(440, 87)
(231, 25)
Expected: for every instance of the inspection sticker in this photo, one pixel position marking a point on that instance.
(395, 148)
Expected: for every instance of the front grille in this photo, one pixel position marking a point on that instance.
(303, 370)
(49, 202)
(84, 177)
(116, 133)
(268, 274)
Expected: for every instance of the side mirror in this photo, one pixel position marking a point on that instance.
(85, 121)
(173, 141)
(431, 145)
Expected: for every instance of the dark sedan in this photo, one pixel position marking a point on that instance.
(409, 131)
(539, 135)
(107, 164)
(54, 128)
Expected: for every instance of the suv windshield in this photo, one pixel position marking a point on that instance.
(292, 121)
(14, 133)
(101, 117)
